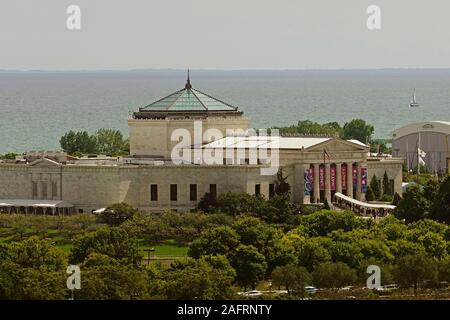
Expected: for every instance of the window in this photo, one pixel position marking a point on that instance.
(193, 192)
(271, 190)
(213, 190)
(35, 191)
(44, 190)
(173, 192)
(257, 189)
(153, 192)
(54, 190)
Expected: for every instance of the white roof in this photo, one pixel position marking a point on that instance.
(270, 142)
(365, 204)
(34, 203)
(429, 126)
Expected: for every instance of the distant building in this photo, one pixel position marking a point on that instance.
(150, 180)
(431, 137)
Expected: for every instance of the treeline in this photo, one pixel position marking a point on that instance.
(228, 252)
(355, 129)
(103, 141)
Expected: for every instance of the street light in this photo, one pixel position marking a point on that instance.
(148, 254)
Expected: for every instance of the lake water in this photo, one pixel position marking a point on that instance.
(37, 108)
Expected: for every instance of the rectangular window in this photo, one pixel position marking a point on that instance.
(44, 190)
(54, 190)
(153, 192)
(271, 190)
(173, 192)
(35, 189)
(193, 192)
(257, 189)
(213, 190)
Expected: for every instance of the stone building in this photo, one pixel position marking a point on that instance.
(316, 167)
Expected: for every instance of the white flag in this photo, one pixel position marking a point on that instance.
(422, 153)
(421, 161)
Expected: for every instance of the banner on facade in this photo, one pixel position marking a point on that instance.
(309, 182)
(322, 177)
(355, 176)
(344, 177)
(333, 178)
(364, 180)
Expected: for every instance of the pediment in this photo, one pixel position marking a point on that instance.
(44, 162)
(339, 145)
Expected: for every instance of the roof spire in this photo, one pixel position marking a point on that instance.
(188, 83)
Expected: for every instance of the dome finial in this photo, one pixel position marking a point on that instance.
(188, 83)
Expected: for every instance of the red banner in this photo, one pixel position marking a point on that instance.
(322, 177)
(333, 178)
(344, 177)
(355, 176)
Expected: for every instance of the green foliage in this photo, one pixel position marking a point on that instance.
(118, 213)
(386, 185)
(293, 278)
(204, 279)
(334, 275)
(104, 141)
(250, 266)
(440, 209)
(413, 206)
(8, 156)
(207, 203)
(411, 270)
(370, 195)
(308, 127)
(281, 185)
(113, 242)
(358, 129)
(396, 200)
(214, 241)
(375, 186)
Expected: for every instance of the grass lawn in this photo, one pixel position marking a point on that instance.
(167, 248)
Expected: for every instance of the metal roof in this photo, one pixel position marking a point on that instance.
(189, 99)
(34, 203)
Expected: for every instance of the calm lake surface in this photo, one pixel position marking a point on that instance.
(37, 108)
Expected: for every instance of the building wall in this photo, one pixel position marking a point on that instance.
(393, 168)
(152, 137)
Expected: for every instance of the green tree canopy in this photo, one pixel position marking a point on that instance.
(358, 129)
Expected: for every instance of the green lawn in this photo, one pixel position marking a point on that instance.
(167, 248)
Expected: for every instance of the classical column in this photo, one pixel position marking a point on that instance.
(358, 181)
(327, 177)
(39, 190)
(338, 177)
(316, 183)
(350, 179)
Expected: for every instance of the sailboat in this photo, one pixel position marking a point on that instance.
(413, 102)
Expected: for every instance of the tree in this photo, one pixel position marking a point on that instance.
(411, 270)
(204, 279)
(293, 278)
(359, 130)
(375, 186)
(413, 206)
(396, 200)
(207, 203)
(78, 142)
(386, 184)
(118, 213)
(333, 275)
(250, 266)
(440, 209)
(113, 242)
(111, 142)
(281, 185)
(220, 240)
(370, 195)
(308, 127)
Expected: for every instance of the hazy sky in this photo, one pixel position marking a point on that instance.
(226, 34)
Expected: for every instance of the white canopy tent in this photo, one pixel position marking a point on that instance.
(35, 206)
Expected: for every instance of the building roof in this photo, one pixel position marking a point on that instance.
(271, 142)
(429, 126)
(188, 99)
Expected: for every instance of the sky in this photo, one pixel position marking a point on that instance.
(226, 34)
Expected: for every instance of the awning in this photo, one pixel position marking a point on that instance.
(34, 203)
(364, 204)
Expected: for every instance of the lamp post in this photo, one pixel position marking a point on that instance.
(148, 254)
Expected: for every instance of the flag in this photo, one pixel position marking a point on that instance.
(326, 155)
(422, 153)
(421, 162)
